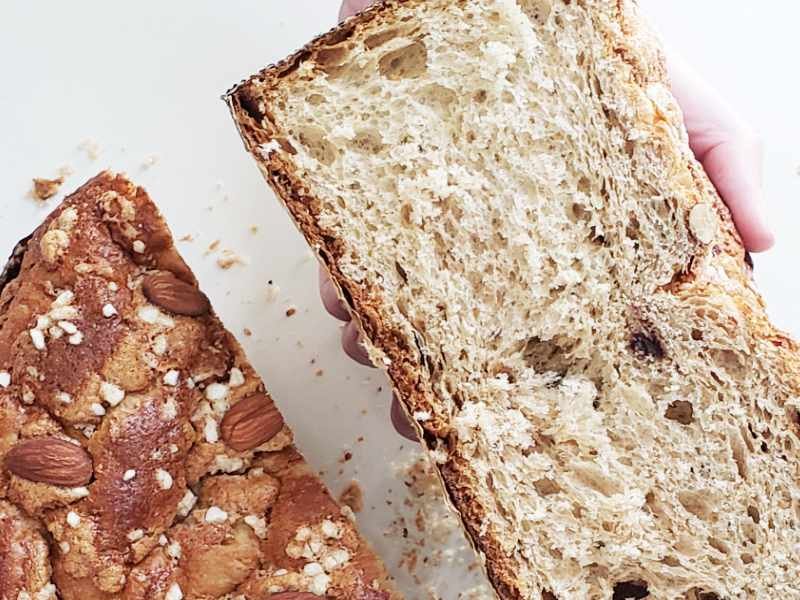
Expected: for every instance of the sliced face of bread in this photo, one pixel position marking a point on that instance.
(504, 193)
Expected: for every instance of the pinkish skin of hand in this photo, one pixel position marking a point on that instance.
(725, 145)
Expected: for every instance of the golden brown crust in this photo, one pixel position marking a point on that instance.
(257, 127)
(143, 389)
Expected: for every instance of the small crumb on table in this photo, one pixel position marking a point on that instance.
(149, 161)
(319, 373)
(90, 147)
(353, 496)
(186, 238)
(229, 259)
(254, 229)
(247, 332)
(291, 311)
(212, 247)
(44, 189)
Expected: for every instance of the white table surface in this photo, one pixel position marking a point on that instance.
(143, 80)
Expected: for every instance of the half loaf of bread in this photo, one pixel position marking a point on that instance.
(141, 457)
(504, 193)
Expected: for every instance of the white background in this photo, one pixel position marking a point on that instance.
(144, 79)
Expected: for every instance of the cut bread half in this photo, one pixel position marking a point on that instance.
(504, 193)
(141, 457)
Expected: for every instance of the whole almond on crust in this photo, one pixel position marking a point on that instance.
(251, 422)
(50, 460)
(169, 292)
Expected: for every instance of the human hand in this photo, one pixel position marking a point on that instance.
(721, 140)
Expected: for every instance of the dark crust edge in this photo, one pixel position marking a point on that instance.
(406, 371)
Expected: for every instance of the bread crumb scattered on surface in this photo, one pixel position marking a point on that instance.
(44, 189)
(353, 496)
(273, 291)
(90, 147)
(432, 543)
(319, 373)
(65, 171)
(291, 311)
(149, 161)
(254, 229)
(229, 259)
(212, 247)
(186, 238)
(247, 332)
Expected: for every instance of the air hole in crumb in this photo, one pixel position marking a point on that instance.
(546, 487)
(625, 590)
(316, 99)
(739, 452)
(438, 97)
(698, 594)
(671, 561)
(408, 62)
(313, 138)
(697, 335)
(249, 104)
(367, 141)
(696, 503)
(718, 545)
(401, 271)
(380, 38)
(647, 345)
(753, 513)
(480, 96)
(680, 411)
(548, 595)
(747, 558)
(538, 10)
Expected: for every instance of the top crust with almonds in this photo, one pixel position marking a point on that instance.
(504, 192)
(141, 457)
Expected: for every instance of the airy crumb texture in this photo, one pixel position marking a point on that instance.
(141, 457)
(44, 189)
(505, 194)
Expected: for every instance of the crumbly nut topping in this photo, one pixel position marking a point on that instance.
(73, 520)
(135, 535)
(152, 315)
(169, 410)
(187, 503)
(174, 550)
(160, 345)
(174, 592)
(164, 479)
(111, 393)
(138, 246)
(211, 431)
(216, 515)
(97, 409)
(109, 310)
(235, 378)
(5, 379)
(129, 475)
(258, 525)
(171, 378)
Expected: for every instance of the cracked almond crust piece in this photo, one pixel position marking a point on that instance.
(169, 510)
(679, 552)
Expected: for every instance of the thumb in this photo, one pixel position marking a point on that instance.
(351, 7)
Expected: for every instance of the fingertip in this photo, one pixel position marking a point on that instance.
(353, 346)
(401, 422)
(330, 297)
